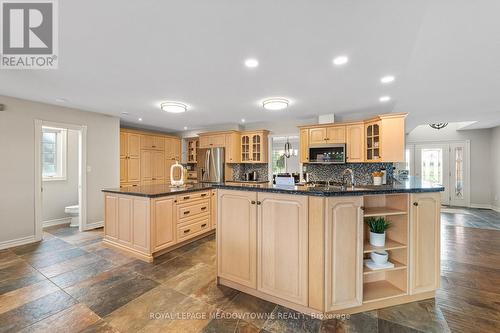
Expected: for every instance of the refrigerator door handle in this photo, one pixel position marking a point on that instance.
(207, 166)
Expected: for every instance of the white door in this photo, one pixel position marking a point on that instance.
(444, 164)
(431, 165)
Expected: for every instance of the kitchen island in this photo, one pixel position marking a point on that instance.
(147, 221)
(304, 247)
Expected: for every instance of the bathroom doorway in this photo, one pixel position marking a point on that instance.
(60, 175)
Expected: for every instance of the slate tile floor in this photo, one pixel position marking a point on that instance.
(71, 282)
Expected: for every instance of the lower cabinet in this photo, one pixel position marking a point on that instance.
(424, 242)
(282, 237)
(164, 224)
(262, 242)
(344, 253)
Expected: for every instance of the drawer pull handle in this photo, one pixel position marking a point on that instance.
(187, 230)
(204, 195)
(203, 225)
(186, 212)
(185, 198)
(203, 208)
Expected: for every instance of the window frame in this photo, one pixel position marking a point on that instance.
(61, 153)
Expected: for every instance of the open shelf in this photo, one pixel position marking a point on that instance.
(379, 290)
(397, 266)
(389, 245)
(382, 211)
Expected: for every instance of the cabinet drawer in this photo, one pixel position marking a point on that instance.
(190, 209)
(193, 229)
(192, 196)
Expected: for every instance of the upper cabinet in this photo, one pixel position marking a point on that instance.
(211, 140)
(130, 153)
(152, 142)
(172, 149)
(233, 147)
(381, 139)
(229, 140)
(254, 147)
(192, 145)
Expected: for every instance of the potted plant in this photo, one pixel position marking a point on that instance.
(377, 177)
(378, 226)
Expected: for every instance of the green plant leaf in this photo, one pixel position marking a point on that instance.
(378, 225)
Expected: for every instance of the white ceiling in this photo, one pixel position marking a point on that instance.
(128, 56)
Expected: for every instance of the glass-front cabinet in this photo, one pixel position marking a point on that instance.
(254, 147)
(373, 146)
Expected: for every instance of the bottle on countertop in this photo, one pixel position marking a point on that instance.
(384, 176)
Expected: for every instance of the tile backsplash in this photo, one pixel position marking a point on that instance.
(240, 169)
(362, 171)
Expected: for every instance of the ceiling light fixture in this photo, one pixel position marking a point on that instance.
(242, 120)
(274, 104)
(173, 107)
(140, 119)
(185, 127)
(384, 99)
(340, 60)
(251, 63)
(387, 79)
(438, 126)
(125, 113)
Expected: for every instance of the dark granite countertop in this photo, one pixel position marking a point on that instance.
(411, 185)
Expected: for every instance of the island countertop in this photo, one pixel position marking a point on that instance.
(411, 185)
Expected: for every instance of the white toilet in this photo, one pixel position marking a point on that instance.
(74, 212)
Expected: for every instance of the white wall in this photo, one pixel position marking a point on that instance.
(17, 167)
(480, 161)
(495, 172)
(57, 194)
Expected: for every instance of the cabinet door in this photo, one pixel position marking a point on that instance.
(282, 243)
(176, 149)
(424, 242)
(123, 169)
(159, 142)
(134, 145)
(158, 165)
(336, 134)
(317, 135)
(245, 148)
(218, 140)
(204, 141)
(123, 145)
(237, 237)
(355, 143)
(304, 145)
(213, 208)
(256, 148)
(146, 165)
(147, 141)
(344, 253)
(111, 216)
(372, 140)
(124, 222)
(164, 225)
(133, 169)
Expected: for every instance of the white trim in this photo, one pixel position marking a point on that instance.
(38, 181)
(94, 225)
(17, 242)
(495, 208)
(50, 223)
(481, 206)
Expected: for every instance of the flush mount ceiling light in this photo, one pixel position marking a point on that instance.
(438, 126)
(242, 120)
(274, 104)
(173, 107)
(140, 119)
(251, 63)
(384, 99)
(387, 79)
(340, 60)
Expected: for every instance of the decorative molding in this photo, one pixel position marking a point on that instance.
(17, 242)
(50, 223)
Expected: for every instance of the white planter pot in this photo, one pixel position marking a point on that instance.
(379, 258)
(377, 239)
(377, 180)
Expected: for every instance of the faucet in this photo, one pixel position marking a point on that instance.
(353, 183)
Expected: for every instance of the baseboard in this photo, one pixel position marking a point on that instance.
(95, 225)
(50, 223)
(495, 208)
(17, 242)
(481, 206)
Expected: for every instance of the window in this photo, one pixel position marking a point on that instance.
(280, 163)
(54, 153)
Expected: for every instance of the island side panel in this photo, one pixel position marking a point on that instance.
(317, 253)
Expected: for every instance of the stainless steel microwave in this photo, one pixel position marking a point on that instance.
(331, 154)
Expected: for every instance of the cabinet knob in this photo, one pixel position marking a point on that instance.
(186, 212)
(203, 208)
(258, 202)
(253, 202)
(203, 225)
(187, 230)
(415, 203)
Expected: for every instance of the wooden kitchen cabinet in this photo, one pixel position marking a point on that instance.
(385, 139)
(335, 134)
(254, 147)
(164, 223)
(282, 237)
(129, 158)
(152, 167)
(344, 253)
(304, 145)
(212, 140)
(213, 209)
(355, 143)
(152, 142)
(173, 149)
(232, 147)
(424, 242)
(237, 237)
(317, 135)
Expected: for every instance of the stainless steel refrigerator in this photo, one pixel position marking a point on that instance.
(211, 162)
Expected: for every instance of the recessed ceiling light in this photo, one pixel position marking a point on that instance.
(185, 127)
(173, 107)
(140, 119)
(251, 63)
(384, 99)
(275, 104)
(242, 120)
(125, 113)
(340, 60)
(61, 100)
(387, 79)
